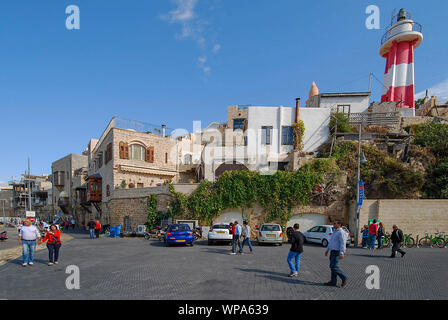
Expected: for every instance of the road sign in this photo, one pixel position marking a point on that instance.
(31, 215)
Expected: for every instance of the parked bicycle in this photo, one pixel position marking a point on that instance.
(430, 240)
(408, 241)
(386, 240)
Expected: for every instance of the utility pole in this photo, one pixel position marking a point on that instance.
(357, 186)
(29, 185)
(370, 85)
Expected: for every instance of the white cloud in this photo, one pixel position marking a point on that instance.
(192, 27)
(202, 64)
(184, 11)
(185, 15)
(440, 90)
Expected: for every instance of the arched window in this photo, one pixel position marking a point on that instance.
(137, 152)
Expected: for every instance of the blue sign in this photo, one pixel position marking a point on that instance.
(361, 193)
(60, 213)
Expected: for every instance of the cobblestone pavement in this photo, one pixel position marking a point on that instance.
(134, 268)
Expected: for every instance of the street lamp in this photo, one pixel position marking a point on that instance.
(361, 159)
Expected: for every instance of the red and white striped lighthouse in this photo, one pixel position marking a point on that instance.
(397, 46)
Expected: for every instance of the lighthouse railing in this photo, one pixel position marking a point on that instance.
(417, 27)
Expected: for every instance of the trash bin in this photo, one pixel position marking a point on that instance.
(113, 231)
(117, 231)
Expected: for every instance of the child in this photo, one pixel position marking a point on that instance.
(365, 235)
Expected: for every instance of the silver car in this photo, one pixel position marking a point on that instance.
(270, 233)
(322, 235)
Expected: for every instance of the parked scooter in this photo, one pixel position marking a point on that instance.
(3, 236)
(197, 233)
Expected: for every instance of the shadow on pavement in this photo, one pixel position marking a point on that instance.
(283, 277)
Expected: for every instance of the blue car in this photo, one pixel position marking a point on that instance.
(179, 233)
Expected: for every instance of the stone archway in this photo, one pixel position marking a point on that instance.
(228, 167)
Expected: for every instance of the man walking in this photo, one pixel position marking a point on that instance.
(297, 241)
(337, 250)
(91, 226)
(396, 238)
(245, 234)
(236, 237)
(27, 239)
(73, 222)
(373, 229)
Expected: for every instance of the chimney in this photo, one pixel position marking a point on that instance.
(297, 110)
(163, 130)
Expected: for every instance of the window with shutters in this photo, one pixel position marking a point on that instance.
(124, 150)
(150, 154)
(287, 135)
(266, 132)
(108, 154)
(137, 152)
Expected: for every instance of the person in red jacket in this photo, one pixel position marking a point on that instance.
(373, 229)
(97, 228)
(53, 238)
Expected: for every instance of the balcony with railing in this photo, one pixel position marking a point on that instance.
(374, 118)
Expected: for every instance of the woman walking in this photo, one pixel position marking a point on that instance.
(381, 234)
(53, 238)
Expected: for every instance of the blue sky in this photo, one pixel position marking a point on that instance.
(176, 61)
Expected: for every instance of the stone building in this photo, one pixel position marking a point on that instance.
(134, 155)
(68, 175)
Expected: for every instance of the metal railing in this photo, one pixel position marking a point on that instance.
(415, 27)
(378, 118)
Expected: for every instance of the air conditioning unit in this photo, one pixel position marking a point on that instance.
(141, 229)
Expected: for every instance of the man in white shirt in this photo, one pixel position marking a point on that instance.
(337, 248)
(236, 238)
(27, 239)
(245, 234)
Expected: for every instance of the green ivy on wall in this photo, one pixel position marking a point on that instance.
(153, 216)
(299, 133)
(278, 193)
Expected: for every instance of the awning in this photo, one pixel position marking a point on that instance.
(143, 170)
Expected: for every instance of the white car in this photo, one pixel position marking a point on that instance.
(270, 233)
(322, 234)
(219, 232)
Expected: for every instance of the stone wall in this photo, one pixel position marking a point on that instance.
(233, 112)
(411, 216)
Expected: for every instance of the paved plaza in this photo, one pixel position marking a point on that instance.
(135, 268)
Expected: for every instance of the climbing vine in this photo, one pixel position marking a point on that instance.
(278, 194)
(299, 133)
(153, 216)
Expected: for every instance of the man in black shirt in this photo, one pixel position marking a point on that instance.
(297, 240)
(91, 226)
(397, 238)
